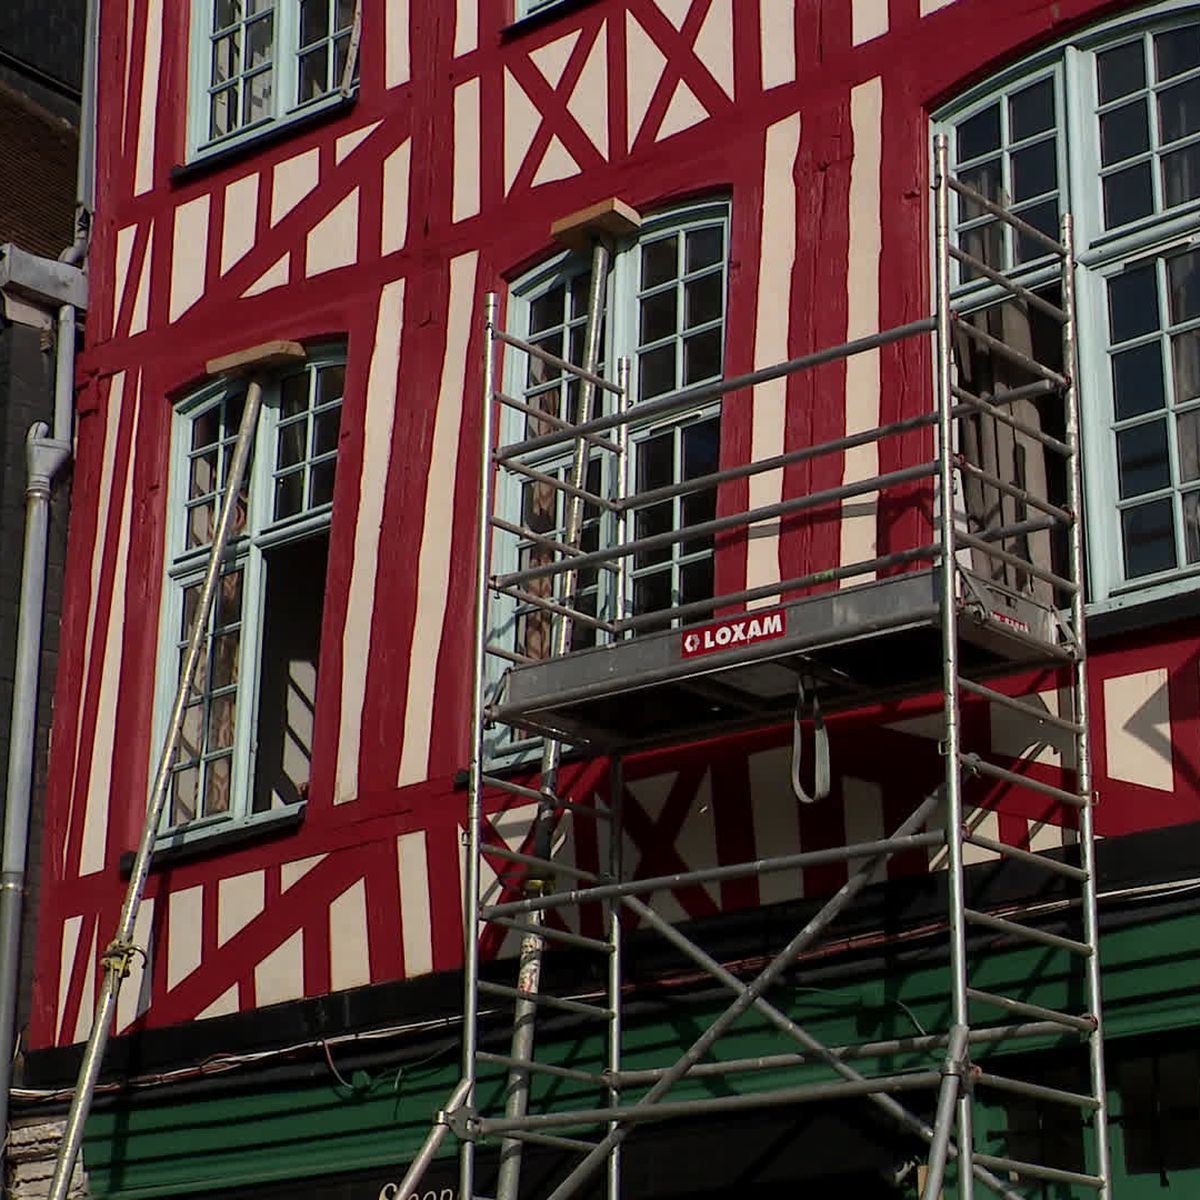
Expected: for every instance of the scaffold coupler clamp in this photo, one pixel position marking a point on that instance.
(821, 780)
(118, 957)
(462, 1121)
(958, 1058)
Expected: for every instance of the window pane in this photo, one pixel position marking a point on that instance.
(1187, 433)
(703, 300)
(221, 717)
(701, 448)
(322, 483)
(660, 262)
(314, 21)
(327, 427)
(1185, 362)
(1121, 71)
(1137, 381)
(203, 475)
(292, 443)
(702, 357)
(1181, 175)
(222, 112)
(705, 247)
(345, 14)
(229, 599)
(1034, 171)
(225, 12)
(1031, 111)
(1124, 133)
(1176, 51)
(226, 58)
(696, 581)
(546, 310)
(1132, 304)
(183, 801)
(1179, 111)
(657, 518)
(1142, 464)
(656, 372)
(1191, 526)
(659, 317)
(314, 67)
(201, 523)
(225, 660)
(191, 733)
(1043, 216)
(260, 42)
(580, 287)
(1149, 537)
(986, 244)
(257, 97)
(651, 593)
(979, 134)
(216, 789)
(985, 178)
(656, 462)
(331, 383)
(1128, 195)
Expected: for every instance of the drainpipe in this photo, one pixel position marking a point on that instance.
(47, 451)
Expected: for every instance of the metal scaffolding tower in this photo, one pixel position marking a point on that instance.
(991, 597)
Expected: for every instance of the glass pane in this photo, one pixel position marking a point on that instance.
(702, 357)
(314, 21)
(205, 429)
(225, 660)
(183, 802)
(1185, 363)
(256, 97)
(222, 112)
(1176, 51)
(191, 598)
(658, 518)
(327, 426)
(702, 300)
(293, 395)
(1142, 464)
(331, 383)
(660, 261)
(985, 243)
(1128, 195)
(1121, 71)
(539, 507)
(546, 311)
(1191, 526)
(314, 67)
(656, 462)
(1031, 111)
(537, 371)
(1181, 175)
(1149, 536)
(658, 317)
(260, 42)
(201, 522)
(289, 495)
(1179, 111)
(191, 734)
(705, 247)
(986, 178)
(229, 599)
(1187, 433)
(221, 716)
(225, 12)
(701, 448)
(698, 508)
(1124, 133)
(696, 581)
(1034, 171)
(652, 593)
(979, 134)
(1137, 381)
(216, 787)
(225, 58)
(1132, 304)
(203, 475)
(344, 15)
(321, 486)
(1043, 216)
(656, 372)
(292, 443)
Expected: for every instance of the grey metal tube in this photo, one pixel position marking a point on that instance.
(120, 949)
(947, 1098)
(85, 170)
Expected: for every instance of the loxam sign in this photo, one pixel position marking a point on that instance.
(738, 631)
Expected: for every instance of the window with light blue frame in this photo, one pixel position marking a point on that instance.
(258, 63)
(1106, 125)
(528, 8)
(246, 746)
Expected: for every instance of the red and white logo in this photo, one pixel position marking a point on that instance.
(738, 631)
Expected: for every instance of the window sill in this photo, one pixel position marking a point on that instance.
(1134, 611)
(218, 157)
(186, 845)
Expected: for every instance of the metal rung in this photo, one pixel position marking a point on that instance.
(973, 762)
(571, 1006)
(1002, 533)
(1004, 350)
(1016, 929)
(1005, 418)
(1054, 865)
(1023, 1008)
(1010, 395)
(517, 343)
(516, 789)
(1017, 704)
(529, 535)
(1024, 495)
(583, 810)
(1015, 560)
(550, 1139)
(554, 935)
(1009, 218)
(558, 484)
(1037, 1171)
(1037, 1091)
(511, 655)
(555, 422)
(541, 1068)
(533, 860)
(1023, 293)
(553, 606)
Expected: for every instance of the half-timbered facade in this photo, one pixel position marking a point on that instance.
(257, 183)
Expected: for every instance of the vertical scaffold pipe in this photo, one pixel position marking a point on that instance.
(1083, 757)
(478, 700)
(951, 748)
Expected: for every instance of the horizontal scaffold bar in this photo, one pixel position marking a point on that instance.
(1045, 862)
(540, 539)
(1036, 1091)
(579, 1007)
(1004, 350)
(990, 409)
(1037, 1171)
(1010, 218)
(538, 414)
(980, 766)
(1024, 495)
(554, 935)
(1015, 289)
(553, 360)
(1022, 1008)
(1030, 933)
(1042, 716)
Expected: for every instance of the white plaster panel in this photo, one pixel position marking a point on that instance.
(87, 1000)
(292, 872)
(280, 976)
(141, 301)
(349, 956)
(556, 164)
(238, 224)
(682, 113)
(466, 26)
(778, 34)
(396, 169)
(676, 11)
(143, 171)
(433, 563)
(776, 822)
(521, 121)
(932, 6)
(240, 899)
(552, 58)
(66, 961)
(777, 255)
(862, 801)
(184, 933)
(466, 149)
(859, 526)
(372, 482)
(276, 275)
(292, 180)
(1018, 736)
(124, 253)
(349, 142)
(644, 67)
(589, 101)
(396, 60)
(333, 241)
(1137, 727)
(224, 1005)
(136, 990)
(189, 255)
(714, 44)
(416, 919)
(869, 19)
(987, 824)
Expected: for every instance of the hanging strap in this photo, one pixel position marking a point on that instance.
(820, 749)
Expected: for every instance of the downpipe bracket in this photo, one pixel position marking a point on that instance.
(44, 458)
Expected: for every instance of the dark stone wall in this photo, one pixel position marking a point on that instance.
(45, 34)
